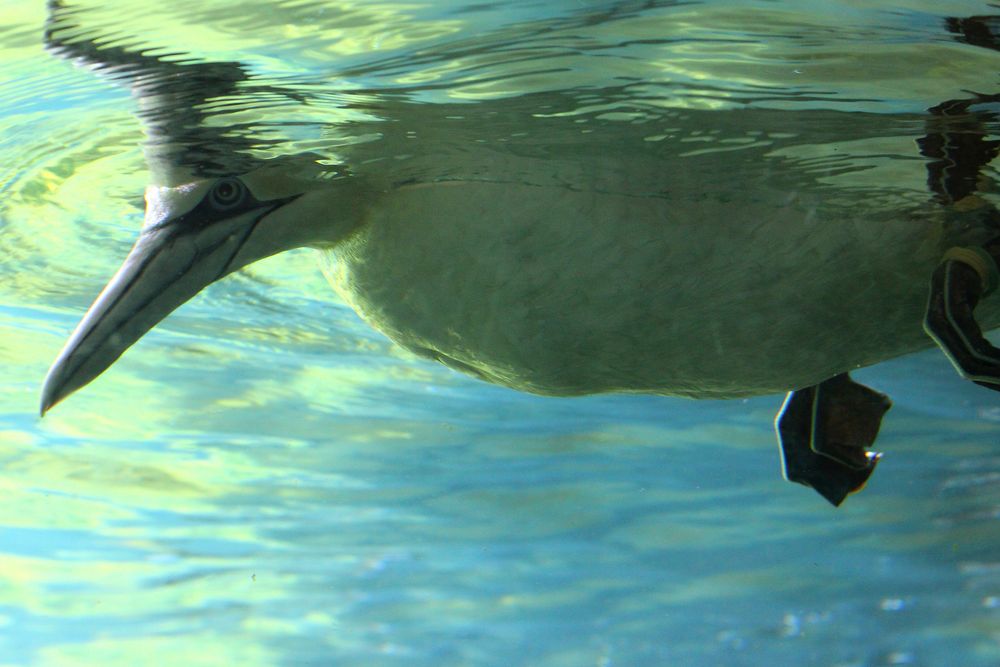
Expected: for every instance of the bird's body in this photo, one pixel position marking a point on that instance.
(562, 266)
(556, 290)
(551, 244)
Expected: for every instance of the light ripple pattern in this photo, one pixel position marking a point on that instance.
(265, 481)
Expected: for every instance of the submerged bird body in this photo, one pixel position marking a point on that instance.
(623, 266)
(543, 244)
(708, 294)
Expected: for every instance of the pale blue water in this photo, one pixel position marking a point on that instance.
(264, 480)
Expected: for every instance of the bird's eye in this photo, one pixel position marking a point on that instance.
(227, 193)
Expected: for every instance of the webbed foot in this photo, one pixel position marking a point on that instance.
(963, 278)
(825, 432)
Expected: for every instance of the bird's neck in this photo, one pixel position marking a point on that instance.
(319, 218)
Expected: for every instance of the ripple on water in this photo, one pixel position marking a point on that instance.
(265, 481)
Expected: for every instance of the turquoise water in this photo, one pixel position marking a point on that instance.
(264, 480)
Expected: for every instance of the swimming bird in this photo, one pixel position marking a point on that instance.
(500, 239)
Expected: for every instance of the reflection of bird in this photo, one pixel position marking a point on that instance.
(507, 244)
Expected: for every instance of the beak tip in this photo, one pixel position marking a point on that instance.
(49, 399)
(46, 405)
(54, 389)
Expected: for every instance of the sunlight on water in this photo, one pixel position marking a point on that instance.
(265, 480)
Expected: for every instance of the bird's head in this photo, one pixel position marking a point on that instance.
(193, 235)
(197, 228)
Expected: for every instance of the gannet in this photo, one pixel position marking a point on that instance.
(500, 239)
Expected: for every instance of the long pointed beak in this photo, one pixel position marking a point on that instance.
(166, 267)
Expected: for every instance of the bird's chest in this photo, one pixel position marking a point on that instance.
(553, 290)
(525, 286)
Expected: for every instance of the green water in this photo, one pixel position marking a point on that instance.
(263, 480)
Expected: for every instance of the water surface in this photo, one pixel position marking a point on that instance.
(263, 480)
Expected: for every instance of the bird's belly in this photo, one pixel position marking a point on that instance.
(553, 290)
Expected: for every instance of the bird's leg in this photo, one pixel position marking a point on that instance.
(963, 278)
(825, 432)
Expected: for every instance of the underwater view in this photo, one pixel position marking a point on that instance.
(456, 333)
